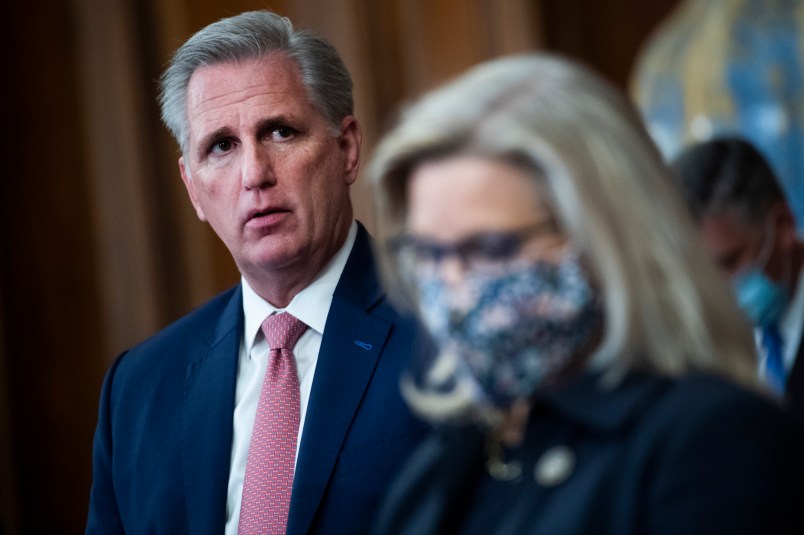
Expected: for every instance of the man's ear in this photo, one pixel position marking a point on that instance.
(785, 223)
(349, 142)
(190, 185)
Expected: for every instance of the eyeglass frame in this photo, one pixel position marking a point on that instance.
(508, 244)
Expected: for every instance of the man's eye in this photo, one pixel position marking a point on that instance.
(283, 132)
(221, 146)
(730, 262)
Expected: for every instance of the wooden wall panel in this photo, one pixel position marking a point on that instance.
(52, 326)
(8, 469)
(604, 35)
(118, 156)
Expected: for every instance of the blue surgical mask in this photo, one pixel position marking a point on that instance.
(762, 299)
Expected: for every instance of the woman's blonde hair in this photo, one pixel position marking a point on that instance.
(667, 308)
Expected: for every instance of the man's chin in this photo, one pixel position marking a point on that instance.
(273, 261)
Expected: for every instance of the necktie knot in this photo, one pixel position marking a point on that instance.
(282, 331)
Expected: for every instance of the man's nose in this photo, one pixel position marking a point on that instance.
(257, 167)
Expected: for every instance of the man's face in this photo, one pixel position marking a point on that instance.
(737, 245)
(265, 169)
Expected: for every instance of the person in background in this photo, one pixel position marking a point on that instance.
(594, 374)
(274, 408)
(750, 230)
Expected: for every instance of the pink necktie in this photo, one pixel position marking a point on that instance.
(272, 451)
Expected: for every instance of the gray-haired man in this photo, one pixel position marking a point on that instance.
(269, 149)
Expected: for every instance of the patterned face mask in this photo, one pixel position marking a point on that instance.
(511, 331)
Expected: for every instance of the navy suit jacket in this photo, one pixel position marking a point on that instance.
(163, 441)
(794, 389)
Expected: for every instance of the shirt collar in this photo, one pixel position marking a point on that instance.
(311, 305)
(792, 321)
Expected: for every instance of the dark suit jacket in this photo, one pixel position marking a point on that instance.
(163, 441)
(690, 456)
(794, 389)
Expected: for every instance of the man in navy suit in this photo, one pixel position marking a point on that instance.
(749, 227)
(269, 148)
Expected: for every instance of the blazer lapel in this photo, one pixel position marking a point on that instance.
(352, 343)
(207, 422)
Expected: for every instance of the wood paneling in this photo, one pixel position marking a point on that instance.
(52, 326)
(605, 35)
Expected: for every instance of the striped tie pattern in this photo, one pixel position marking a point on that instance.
(272, 451)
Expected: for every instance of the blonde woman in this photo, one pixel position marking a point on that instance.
(593, 373)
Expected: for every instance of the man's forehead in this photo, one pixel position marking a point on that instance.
(724, 230)
(272, 75)
(734, 218)
(224, 94)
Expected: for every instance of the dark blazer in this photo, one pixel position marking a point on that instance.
(794, 389)
(688, 456)
(164, 435)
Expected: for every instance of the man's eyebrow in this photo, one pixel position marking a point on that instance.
(207, 139)
(273, 121)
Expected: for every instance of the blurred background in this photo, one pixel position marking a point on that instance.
(99, 245)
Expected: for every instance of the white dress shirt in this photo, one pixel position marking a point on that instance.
(792, 324)
(311, 305)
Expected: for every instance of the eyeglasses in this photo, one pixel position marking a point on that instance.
(474, 252)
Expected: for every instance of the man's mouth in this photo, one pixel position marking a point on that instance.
(268, 216)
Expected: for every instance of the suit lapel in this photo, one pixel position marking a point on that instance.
(207, 422)
(352, 344)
